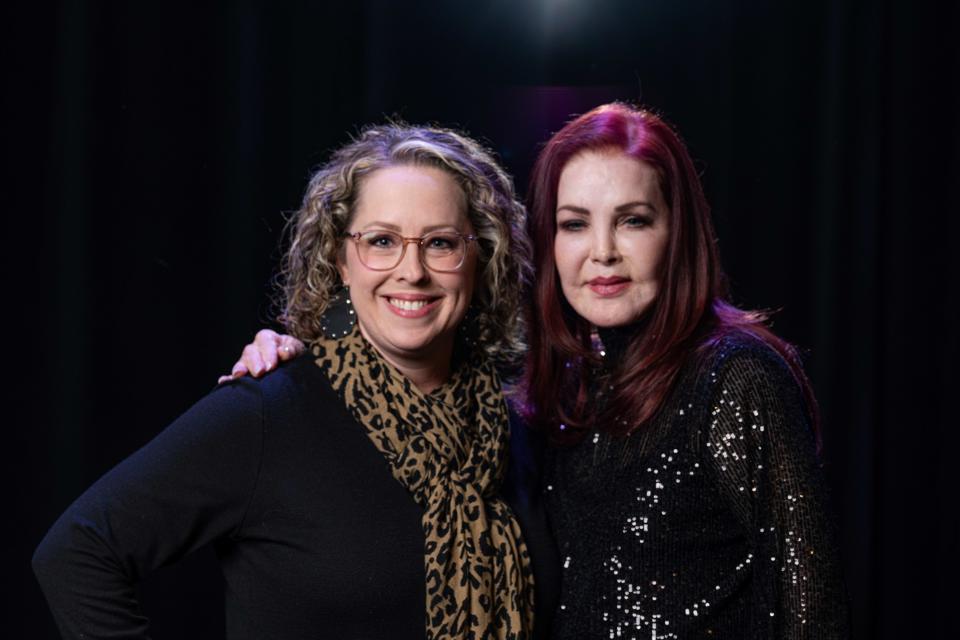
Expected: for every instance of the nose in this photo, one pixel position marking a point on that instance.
(604, 248)
(411, 267)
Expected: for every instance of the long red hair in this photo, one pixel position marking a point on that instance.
(691, 308)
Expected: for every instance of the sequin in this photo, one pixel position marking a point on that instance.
(681, 531)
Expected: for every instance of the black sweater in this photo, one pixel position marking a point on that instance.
(315, 537)
(708, 524)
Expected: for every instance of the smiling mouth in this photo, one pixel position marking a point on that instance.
(413, 306)
(408, 305)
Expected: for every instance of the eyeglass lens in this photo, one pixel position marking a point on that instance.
(441, 251)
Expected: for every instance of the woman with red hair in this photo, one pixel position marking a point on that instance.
(685, 494)
(683, 486)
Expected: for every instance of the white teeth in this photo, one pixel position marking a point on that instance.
(408, 305)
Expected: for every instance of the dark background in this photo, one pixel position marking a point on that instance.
(151, 151)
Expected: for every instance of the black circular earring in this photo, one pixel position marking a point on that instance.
(338, 318)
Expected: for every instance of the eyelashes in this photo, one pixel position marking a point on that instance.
(635, 221)
(572, 225)
(629, 221)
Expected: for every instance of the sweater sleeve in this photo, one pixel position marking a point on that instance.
(762, 450)
(190, 485)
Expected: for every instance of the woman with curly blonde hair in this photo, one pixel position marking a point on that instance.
(361, 485)
(310, 276)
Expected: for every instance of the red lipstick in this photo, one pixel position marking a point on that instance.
(608, 286)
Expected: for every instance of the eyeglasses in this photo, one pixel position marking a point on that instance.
(442, 251)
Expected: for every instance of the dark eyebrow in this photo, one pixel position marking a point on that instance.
(573, 209)
(636, 203)
(627, 206)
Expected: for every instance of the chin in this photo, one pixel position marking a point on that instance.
(610, 318)
(611, 323)
(605, 323)
(416, 344)
(409, 345)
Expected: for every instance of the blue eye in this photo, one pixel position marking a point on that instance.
(572, 225)
(441, 243)
(379, 240)
(636, 221)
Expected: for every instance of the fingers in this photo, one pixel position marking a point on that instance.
(267, 343)
(268, 349)
(239, 370)
(289, 347)
(253, 361)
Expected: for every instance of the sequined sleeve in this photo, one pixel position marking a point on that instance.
(762, 450)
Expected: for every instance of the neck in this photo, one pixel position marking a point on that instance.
(427, 370)
(426, 377)
(616, 340)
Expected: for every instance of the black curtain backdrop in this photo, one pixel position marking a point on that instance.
(151, 152)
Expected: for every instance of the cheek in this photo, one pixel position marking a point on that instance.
(566, 256)
(646, 256)
(468, 286)
(363, 282)
(658, 255)
(460, 287)
(467, 279)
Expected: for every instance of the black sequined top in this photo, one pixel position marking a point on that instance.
(709, 524)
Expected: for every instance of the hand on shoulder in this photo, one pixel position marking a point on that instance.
(267, 350)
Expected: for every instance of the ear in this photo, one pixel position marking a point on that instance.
(343, 268)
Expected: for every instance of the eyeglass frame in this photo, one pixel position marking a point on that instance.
(466, 237)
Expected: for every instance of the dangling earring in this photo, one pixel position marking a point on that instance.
(339, 317)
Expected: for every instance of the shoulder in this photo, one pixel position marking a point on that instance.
(740, 358)
(295, 390)
(301, 377)
(746, 370)
(746, 378)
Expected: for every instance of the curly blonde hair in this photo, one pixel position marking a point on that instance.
(309, 277)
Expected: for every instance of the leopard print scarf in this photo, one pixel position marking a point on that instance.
(448, 449)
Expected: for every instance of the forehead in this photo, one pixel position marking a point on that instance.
(408, 196)
(606, 173)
